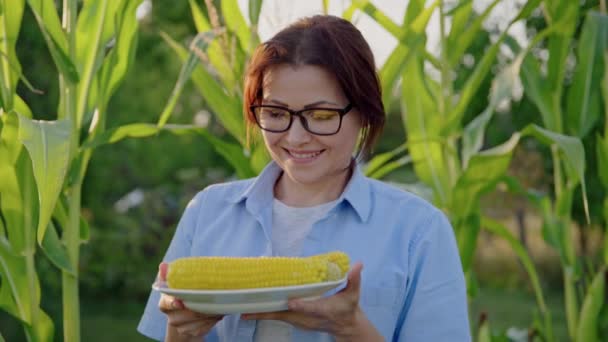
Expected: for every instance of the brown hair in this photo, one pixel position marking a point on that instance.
(334, 44)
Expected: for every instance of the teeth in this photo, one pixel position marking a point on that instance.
(304, 155)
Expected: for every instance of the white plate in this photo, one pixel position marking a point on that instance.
(266, 299)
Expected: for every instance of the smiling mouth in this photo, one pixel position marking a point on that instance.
(304, 156)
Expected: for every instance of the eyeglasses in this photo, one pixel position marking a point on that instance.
(319, 121)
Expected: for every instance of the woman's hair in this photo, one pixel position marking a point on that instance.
(334, 44)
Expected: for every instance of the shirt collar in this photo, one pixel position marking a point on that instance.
(259, 194)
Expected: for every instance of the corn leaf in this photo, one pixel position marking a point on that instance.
(371, 10)
(90, 43)
(226, 108)
(48, 20)
(390, 167)
(199, 44)
(422, 125)
(410, 43)
(502, 87)
(233, 153)
(559, 47)
(48, 145)
(592, 307)
(13, 176)
(583, 108)
(485, 169)
(499, 229)
(461, 38)
(122, 54)
(538, 91)
(467, 228)
(574, 154)
(481, 71)
(14, 289)
(255, 7)
(379, 160)
(10, 69)
(414, 7)
(200, 19)
(236, 23)
(602, 159)
(54, 249)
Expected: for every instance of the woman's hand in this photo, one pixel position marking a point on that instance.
(339, 315)
(183, 324)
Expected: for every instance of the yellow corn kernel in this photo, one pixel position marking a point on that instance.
(215, 273)
(339, 258)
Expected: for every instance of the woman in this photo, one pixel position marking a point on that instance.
(313, 93)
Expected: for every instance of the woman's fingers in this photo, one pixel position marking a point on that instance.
(168, 303)
(162, 271)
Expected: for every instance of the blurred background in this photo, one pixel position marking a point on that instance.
(135, 190)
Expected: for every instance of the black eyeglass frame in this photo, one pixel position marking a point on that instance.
(298, 113)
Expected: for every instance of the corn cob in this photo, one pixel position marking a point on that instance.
(215, 273)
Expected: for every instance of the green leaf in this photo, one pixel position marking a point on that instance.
(485, 169)
(200, 20)
(14, 294)
(85, 231)
(390, 167)
(414, 7)
(587, 329)
(379, 160)
(48, 144)
(566, 13)
(227, 109)
(461, 38)
(537, 90)
(422, 124)
(583, 108)
(498, 229)
(502, 88)
(137, 130)
(411, 42)
(527, 10)
(255, 7)
(234, 155)
(200, 43)
(122, 54)
(90, 43)
(236, 23)
(572, 150)
(467, 228)
(48, 20)
(481, 71)
(602, 159)
(54, 249)
(472, 85)
(10, 69)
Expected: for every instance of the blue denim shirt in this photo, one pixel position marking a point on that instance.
(412, 288)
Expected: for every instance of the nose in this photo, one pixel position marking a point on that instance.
(297, 134)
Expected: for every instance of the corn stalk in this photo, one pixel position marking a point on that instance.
(44, 164)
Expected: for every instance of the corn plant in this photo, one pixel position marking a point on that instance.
(43, 163)
(447, 157)
(219, 78)
(575, 116)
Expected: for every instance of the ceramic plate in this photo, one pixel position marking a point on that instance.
(266, 299)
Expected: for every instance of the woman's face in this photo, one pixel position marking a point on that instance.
(306, 158)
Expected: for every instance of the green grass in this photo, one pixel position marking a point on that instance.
(109, 319)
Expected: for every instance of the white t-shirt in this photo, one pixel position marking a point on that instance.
(290, 226)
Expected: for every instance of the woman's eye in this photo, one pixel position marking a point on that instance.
(323, 115)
